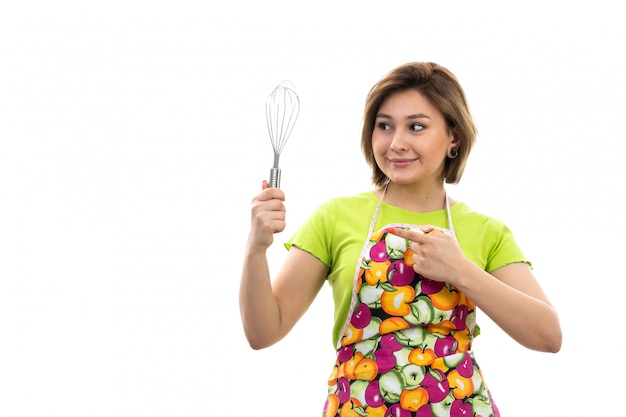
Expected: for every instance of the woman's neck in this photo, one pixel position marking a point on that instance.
(415, 197)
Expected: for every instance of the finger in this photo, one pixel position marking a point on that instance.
(414, 235)
(275, 221)
(271, 193)
(279, 228)
(270, 210)
(269, 221)
(265, 185)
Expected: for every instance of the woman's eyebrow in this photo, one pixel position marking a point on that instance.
(418, 116)
(410, 117)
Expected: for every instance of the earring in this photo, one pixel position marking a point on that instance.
(453, 152)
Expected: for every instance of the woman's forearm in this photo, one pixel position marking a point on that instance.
(524, 316)
(259, 309)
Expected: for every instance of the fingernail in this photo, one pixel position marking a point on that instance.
(391, 230)
(265, 185)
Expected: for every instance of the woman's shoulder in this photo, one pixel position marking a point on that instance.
(346, 209)
(464, 214)
(485, 239)
(351, 202)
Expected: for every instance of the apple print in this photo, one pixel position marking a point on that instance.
(378, 252)
(461, 409)
(459, 317)
(388, 324)
(429, 286)
(352, 408)
(477, 381)
(396, 301)
(370, 295)
(460, 386)
(441, 315)
(373, 397)
(391, 385)
(331, 406)
(358, 389)
(446, 299)
(452, 361)
(422, 311)
(402, 356)
(400, 274)
(413, 375)
(361, 316)
(397, 411)
(436, 384)
(343, 389)
(411, 336)
(376, 273)
(345, 353)
(366, 369)
(366, 346)
(424, 411)
(445, 346)
(385, 359)
(466, 367)
(389, 341)
(396, 246)
(442, 408)
(482, 406)
(371, 330)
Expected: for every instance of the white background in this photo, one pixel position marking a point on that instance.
(133, 138)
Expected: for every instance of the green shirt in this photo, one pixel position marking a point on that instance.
(336, 232)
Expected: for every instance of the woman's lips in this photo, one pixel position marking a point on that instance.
(401, 162)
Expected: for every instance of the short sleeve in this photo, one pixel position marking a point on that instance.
(504, 248)
(314, 235)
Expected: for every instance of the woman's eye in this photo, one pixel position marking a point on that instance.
(384, 126)
(416, 127)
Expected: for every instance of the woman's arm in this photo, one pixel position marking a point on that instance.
(521, 308)
(514, 300)
(270, 309)
(510, 296)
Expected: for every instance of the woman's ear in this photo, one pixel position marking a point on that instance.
(454, 140)
(453, 149)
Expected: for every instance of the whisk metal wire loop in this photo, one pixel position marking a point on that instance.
(282, 108)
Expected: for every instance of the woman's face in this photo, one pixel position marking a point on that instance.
(410, 139)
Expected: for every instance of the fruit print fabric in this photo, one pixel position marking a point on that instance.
(406, 350)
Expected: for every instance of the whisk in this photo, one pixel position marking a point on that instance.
(282, 108)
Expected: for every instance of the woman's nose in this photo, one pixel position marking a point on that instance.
(399, 142)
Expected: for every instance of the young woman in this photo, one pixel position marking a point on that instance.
(407, 265)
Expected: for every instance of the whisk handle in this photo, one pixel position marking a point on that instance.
(275, 178)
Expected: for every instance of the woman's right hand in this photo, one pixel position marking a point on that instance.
(268, 216)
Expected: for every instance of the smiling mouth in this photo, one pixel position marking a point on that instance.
(402, 161)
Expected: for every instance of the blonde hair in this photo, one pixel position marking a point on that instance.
(444, 92)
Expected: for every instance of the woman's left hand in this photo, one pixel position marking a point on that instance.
(436, 256)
